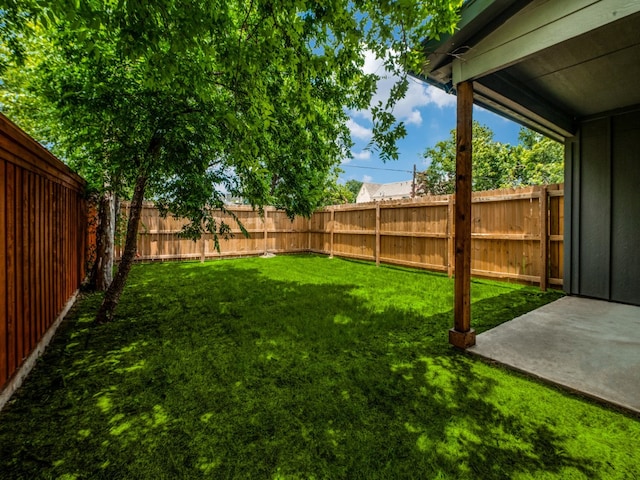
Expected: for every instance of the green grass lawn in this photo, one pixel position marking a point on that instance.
(297, 368)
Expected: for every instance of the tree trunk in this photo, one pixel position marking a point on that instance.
(112, 296)
(102, 271)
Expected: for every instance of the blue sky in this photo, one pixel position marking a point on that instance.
(429, 115)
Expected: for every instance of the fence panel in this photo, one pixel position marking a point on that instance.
(319, 232)
(354, 232)
(415, 234)
(512, 230)
(284, 234)
(517, 234)
(505, 234)
(159, 238)
(42, 245)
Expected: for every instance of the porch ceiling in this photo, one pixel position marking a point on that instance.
(548, 89)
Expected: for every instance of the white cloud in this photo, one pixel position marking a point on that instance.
(440, 98)
(372, 64)
(362, 155)
(418, 94)
(414, 118)
(367, 178)
(358, 131)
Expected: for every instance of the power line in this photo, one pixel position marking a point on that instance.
(377, 168)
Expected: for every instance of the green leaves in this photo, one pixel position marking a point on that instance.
(537, 160)
(209, 97)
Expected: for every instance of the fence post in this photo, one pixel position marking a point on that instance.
(331, 229)
(377, 234)
(266, 233)
(544, 238)
(203, 247)
(450, 236)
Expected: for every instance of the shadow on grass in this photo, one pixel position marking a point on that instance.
(227, 373)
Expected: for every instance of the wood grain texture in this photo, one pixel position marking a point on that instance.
(41, 263)
(463, 212)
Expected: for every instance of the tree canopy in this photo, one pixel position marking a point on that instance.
(354, 187)
(275, 78)
(535, 160)
(182, 101)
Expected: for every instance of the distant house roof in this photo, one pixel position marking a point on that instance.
(367, 190)
(373, 192)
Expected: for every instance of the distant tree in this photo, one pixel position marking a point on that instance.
(334, 193)
(536, 160)
(354, 187)
(540, 159)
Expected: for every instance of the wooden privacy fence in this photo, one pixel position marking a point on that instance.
(42, 248)
(159, 239)
(517, 234)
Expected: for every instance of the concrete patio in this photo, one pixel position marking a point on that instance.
(589, 346)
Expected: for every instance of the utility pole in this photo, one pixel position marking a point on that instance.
(413, 182)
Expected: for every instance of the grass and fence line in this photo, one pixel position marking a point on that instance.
(43, 226)
(517, 234)
(44, 238)
(230, 369)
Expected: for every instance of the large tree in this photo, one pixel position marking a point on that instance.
(180, 101)
(535, 160)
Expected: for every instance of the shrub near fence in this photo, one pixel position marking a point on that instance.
(517, 234)
(42, 248)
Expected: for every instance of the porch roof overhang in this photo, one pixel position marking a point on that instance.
(543, 64)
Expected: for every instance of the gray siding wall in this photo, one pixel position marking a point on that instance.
(602, 215)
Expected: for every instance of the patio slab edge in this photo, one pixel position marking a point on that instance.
(588, 347)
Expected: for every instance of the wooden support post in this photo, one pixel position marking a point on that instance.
(544, 238)
(377, 234)
(203, 248)
(462, 335)
(309, 233)
(450, 236)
